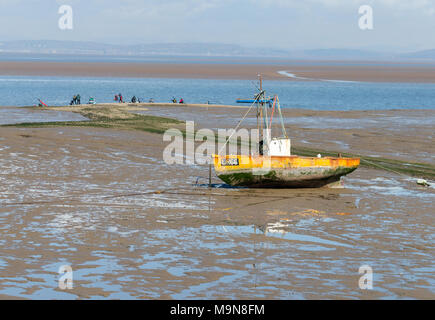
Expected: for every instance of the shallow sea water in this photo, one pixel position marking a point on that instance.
(315, 95)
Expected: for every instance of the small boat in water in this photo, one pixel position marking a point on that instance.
(274, 166)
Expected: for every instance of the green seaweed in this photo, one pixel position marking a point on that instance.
(102, 118)
(414, 169)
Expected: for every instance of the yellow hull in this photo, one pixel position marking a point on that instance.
(282, 171)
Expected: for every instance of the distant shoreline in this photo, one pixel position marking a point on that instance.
(308, 72)
(295, 112)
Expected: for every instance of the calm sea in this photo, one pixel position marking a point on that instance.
(317, 95)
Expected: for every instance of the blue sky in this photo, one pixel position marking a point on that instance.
(399, 25)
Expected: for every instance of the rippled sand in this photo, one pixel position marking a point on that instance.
(130, 226)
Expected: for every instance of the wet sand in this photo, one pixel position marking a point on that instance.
(395, 134)
(373, 72)
(131, 226)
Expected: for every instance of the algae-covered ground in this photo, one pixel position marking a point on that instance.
(109, 116)
(422, 170)
(122, 116)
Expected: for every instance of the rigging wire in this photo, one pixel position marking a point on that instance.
(240, 122)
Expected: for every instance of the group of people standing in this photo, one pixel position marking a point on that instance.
(175, 100)
(75, 100)
(134, 100)
(118, 98)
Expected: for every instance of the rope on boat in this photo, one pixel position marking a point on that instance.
(240, 122)
(273, 110)
(281, 118)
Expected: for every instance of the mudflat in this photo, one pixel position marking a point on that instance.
(102, 200)
(373, 72)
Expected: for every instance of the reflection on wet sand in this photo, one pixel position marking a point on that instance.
(130, 226)
(10, 115)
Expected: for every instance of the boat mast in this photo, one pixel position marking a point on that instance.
(260, 105)
(261, 83)
(258, 111)
(264, 109)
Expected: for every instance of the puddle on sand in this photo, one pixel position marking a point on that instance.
(277, 230)
(403, 187)
(263, 258)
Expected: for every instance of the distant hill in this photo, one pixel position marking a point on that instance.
(184, 49)
(199, 50)
(57, 47)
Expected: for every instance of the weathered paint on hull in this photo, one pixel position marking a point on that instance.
(283, 172)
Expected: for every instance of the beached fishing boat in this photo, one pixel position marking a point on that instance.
(282, 171)
(274, 166)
